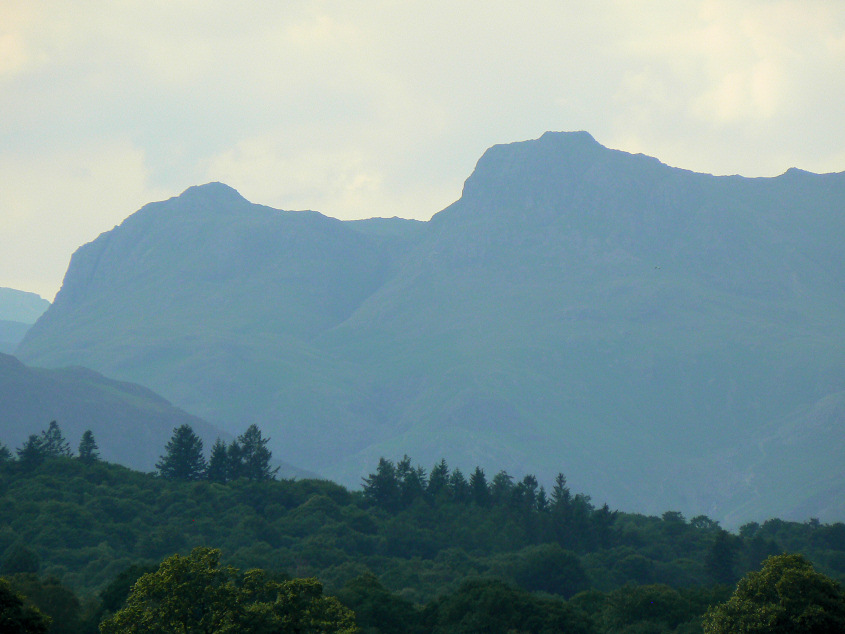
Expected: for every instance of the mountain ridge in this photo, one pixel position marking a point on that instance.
(601, 310)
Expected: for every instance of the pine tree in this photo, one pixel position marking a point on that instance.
(459, 486)
(412, 481)
(88, 450)
(479, 492)
(183, 459)
(31, 453)
(54, 443)
(255, 457)
(382, 487)
(5, 454)
(218, 463)
(438, 479)
(234, 463)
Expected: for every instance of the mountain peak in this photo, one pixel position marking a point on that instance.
(215, 191)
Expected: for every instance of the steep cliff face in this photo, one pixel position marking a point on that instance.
(578, 309)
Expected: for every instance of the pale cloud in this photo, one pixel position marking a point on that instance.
(382, 108)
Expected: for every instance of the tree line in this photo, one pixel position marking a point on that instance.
(245, 457)
(50, 443)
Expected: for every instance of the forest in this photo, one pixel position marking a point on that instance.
(414, 550)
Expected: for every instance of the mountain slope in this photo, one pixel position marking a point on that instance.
(578, 309)
(131, 424)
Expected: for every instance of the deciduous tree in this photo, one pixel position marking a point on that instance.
(787, 595)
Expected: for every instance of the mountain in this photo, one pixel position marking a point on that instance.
(18, 311)
(658, 335)
(130, 423)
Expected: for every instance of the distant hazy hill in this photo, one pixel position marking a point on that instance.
(21, 306)
(130, 423)
(658, 335)
(18, 311)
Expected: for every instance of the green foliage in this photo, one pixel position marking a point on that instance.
(5, 454)
(183, 459)
(88, 523)
(218, 463)
(377, 610)
(490, 606)
(31, 453)
(88, 450)
(53, 443)
(196, 594)
(254, 456)
(786, 595)
(18, 618)
(53, 599)
(18, 558)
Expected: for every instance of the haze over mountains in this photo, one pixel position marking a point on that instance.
(18, 311)
(666, 339)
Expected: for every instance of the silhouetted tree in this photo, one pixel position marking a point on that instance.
(54, 443)
(88, 450)
(479, 492)
(382, 487)
(218, 463)
(255, 457)
(183, 459)
(438, 479)
(412, 481)
(31, 453)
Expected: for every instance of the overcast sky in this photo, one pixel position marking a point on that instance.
(360, 109)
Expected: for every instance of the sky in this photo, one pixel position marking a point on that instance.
(382, 108)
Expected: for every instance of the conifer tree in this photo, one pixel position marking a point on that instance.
(88, 450)
(31, 453)
(54, 443)
(438, 479)
(218, 463)
(382, 487)
(479, 492)
(5, 454)
(183, 459)
(255, 457)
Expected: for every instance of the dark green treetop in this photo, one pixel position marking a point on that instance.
(88, 450)
(183, 459)
(17, 617)
(218, 463)
(31, 453)
(255, 457)
(54, 443)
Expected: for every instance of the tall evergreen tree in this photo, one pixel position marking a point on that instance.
(459, 486)
(54, 443)
(438, 479)
(382, 487)
(479, 492)
(255, 457)
(31, 453)
(501, 487)
(183, 459)
(88, 450)
(412, 481)
(218, 463)
(5, 454)
(234, 461)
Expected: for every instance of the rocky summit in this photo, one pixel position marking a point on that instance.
(666, 339)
